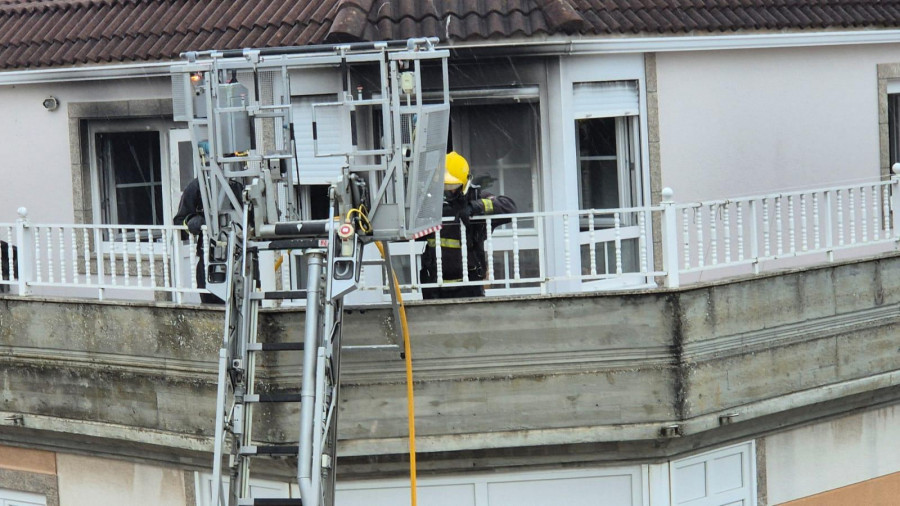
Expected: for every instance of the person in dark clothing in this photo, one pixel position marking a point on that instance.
(6, 251)
(190, 214)
(462, 201)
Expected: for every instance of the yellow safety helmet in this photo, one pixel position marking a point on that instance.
(456, 169)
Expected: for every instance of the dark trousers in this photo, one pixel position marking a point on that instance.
(206, 298)
(6, 251)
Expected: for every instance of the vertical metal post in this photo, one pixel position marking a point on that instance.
(25, 254)
(829, 226)
(669, 238)
(895, 200)
(308, 388)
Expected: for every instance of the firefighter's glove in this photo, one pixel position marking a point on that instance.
(474, 208)
(194, 223)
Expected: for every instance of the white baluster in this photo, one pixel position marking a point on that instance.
(490, 250)
(840, 217)
(74, 260)
(192, 252)
(113, 271)
(568, 247)
(515, 229)
(125, 258)
(618, 243)
(37, 254)
(464, 251)
(740, 229)
(753, 233)
(767, 243)
(540, 224)
(713, 235)
(413, 270)
(10, 263)
(886, 211)
(137, 256)
(779, 226)
(698, 219)
(285, 271)
(61, 238)
(792, 226)
(167, 240)
(686, 238)
(151, 256)
(86, 255)
(876, 228)
(592, 246)
(804, 226)
(48, 235)
(726, 229)
(864, 214)
(851, 208)
(817, 237)
(642, 240)
(438, 257)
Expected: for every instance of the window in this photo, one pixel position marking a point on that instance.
(607, 148)
(499, 141)
(605, 161)
(15, 498)
(894, 127)
(127, 169)
(499, 137)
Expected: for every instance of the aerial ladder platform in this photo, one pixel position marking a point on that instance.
(391, 115)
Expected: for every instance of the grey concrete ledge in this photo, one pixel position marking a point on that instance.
(525, 379)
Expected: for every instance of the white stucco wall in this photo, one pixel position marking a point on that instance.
(36, 167)
(825, 456)
(89, 481)
(744, 122)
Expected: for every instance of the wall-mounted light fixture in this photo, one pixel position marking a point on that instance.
(50, 103)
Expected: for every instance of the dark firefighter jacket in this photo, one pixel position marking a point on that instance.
(190, 208)
(475, 203)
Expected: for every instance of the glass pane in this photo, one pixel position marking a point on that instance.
(605, 257)
(597, 137)
(498, 140)
(598, 164)
(504, 267)
(139, 205)
(134, 156)
(894, 127)
(185, 163)
(599, 184)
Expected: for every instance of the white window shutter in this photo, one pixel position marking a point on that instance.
(605, 99)
(332, 138)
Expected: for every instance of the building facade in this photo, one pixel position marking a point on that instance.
(695, 306)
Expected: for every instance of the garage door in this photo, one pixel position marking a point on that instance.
(608, 486)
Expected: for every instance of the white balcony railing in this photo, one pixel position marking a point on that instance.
(97, 261)
(538, 253)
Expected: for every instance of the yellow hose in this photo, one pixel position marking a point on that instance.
(409, 385)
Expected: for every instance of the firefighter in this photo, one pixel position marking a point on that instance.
(462, 201)
(190, 214)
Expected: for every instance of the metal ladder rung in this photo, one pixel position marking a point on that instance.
(272, 398)
(296, 346)
(283, 244)
(270, 502)
(278, 295)
(270, 450)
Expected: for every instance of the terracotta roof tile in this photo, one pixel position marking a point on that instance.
(38, 33)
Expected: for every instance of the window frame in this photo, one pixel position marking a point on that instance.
(11, 497)
(505, 96)
(106, 213)
(627, 159)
